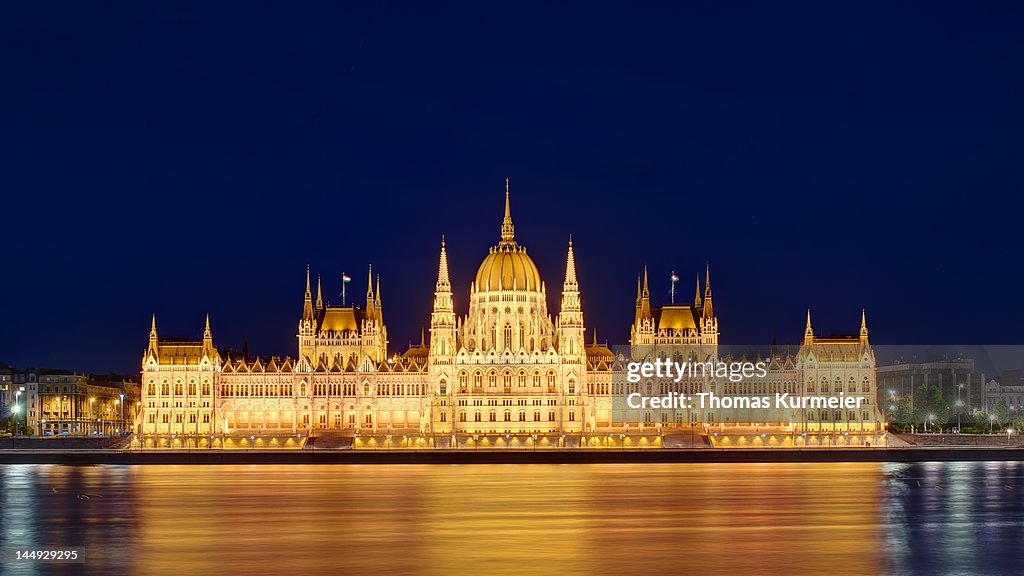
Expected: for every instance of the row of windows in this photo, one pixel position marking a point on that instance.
(519, 402)
(492, 416)
(178, 418)
(179, 388)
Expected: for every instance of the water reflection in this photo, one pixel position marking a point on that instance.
(504, 519)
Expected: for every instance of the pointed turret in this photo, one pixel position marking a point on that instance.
(208, 350)
(319, 295)
(369, 293)
(570, 267)
(307, 301)
(696, 296)
(571, 334)
(808, 331)
(378, 308)
(153, 342)
(443, 281)
(709, 311)
(863, 327)
(507, 230)
(645, 298)
(442, 318)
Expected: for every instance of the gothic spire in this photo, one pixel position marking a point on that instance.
(645, 298)
(507, 230)
(570, 268)
(307, 300)
(709, 311)
(319, 294)
(863, 326)
(808, 331)
(696, 296)
(443, 282)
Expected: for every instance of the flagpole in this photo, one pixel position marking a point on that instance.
(343, 289)
(673, 286)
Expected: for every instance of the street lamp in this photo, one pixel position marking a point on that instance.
(17, 409)
(120, 402)
(991, 422)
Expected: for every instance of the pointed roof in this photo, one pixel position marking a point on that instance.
(696, 297)
(570, 267)
(319, 294)
(443, 281)
(507, 229)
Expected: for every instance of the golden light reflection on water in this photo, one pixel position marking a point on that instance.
(493, 519)
(501, 519)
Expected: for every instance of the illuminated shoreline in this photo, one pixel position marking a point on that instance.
(580, 456)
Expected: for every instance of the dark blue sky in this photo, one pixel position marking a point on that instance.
(184, 159)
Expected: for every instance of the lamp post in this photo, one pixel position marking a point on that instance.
(991, 422)
(120, 402)
(17, 409)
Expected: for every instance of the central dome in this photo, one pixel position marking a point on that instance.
(507, 267)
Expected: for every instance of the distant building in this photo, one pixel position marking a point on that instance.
(956, 378)
(1008, 387)
(6, 390)
(63, 402)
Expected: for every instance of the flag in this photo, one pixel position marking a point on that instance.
(346, 278)
(675, 278)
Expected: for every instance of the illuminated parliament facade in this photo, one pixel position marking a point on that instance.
(507, 372)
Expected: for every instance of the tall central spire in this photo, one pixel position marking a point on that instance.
(507, 230)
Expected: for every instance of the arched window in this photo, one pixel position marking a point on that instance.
(536, 379)
(551, 379)
(508, 416)
(463, 379)
(478, 378)
(476, 416)
(462, 416)
(522, 416)
(551, 416)
(508, 336)
(536, 416)
(492, 379)
(507, 379)
(522, 379)
(572, 416)
(492, 416)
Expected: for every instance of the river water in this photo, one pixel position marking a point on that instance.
(934, 518)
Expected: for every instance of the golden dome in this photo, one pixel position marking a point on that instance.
(508, 267)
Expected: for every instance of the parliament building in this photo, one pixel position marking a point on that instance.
(504, 373)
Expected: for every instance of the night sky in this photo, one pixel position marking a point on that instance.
(184, 159)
